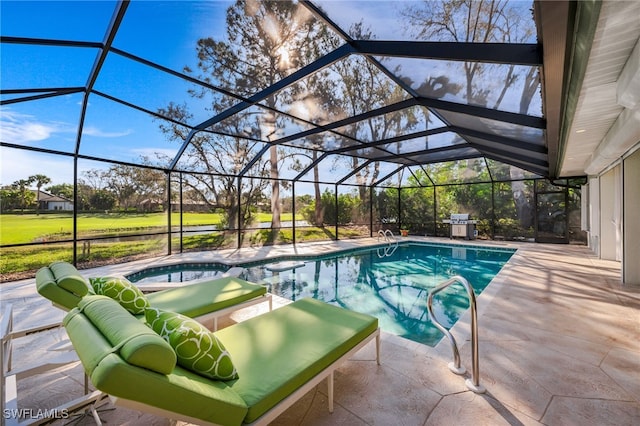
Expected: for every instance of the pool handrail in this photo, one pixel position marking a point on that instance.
(390, 238)
(387, 234)
(474, 384)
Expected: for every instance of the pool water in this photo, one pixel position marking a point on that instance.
(392, 288)
(390, 283)
(178, 273)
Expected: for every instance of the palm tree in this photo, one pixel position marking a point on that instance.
(22, 190)
(40, 181)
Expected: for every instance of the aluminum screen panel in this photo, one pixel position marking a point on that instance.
(36, 67)
(494, 127)
(400, 82)
(50, 123)
(83, 20)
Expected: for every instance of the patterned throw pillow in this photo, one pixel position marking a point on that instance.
(121, 290)
(197, 349)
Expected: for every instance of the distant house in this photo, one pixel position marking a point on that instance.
(53, 202)
(150, 205)
(191, 206)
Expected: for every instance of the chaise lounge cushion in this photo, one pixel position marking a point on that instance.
(277, 353)
(67, 277)
(122, 291)
(136, 343)
(197, 349)
(194, 300)
(110, 342)
(61, 282)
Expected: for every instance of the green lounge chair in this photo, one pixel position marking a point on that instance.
(64, 286)
(279, 356)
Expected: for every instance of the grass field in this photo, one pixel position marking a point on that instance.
(22, 262)
(28, 228)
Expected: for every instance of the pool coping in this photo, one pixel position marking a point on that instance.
(461, 330)
(302, 257)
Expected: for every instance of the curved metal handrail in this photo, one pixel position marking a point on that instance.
(455, 367)
(389, 233)
(390, 238)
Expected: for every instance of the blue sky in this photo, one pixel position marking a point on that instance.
(164, 32)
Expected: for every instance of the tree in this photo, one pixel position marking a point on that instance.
(315, 100)
(24, 196)
(347, 203)
(484, 22)
(40, 181)
(9, 199)
(265, 41)
(94, 179)
(102, 200)
(363, 87)
(64, 190)
(130, 185)
(214, 161)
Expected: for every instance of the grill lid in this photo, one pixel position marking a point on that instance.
(459, 217)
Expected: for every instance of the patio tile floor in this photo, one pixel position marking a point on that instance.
(559, 345)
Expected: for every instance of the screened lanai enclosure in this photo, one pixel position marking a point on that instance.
(151, 127)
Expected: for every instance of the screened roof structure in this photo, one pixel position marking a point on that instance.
(404, 86)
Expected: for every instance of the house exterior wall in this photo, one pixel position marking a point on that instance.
(59, 205)
(614, 206)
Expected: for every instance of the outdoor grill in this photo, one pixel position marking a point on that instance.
(461, 226)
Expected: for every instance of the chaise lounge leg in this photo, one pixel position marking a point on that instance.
(96, 417)
(378, 348)
(330, 391)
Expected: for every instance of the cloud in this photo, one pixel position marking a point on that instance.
(94, 131)
(23, 128)
(26, 129)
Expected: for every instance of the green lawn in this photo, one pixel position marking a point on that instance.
(22, 262)
(16, 228)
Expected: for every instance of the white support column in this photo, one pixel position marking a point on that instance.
(631, 228)
(594, 214)
(611, 214)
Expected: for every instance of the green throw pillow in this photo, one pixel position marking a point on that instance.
(197, 349)
(121, 290)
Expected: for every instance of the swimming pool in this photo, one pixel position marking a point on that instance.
(178, 273)
(389, 283)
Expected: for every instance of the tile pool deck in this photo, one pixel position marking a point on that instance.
(559, 345)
